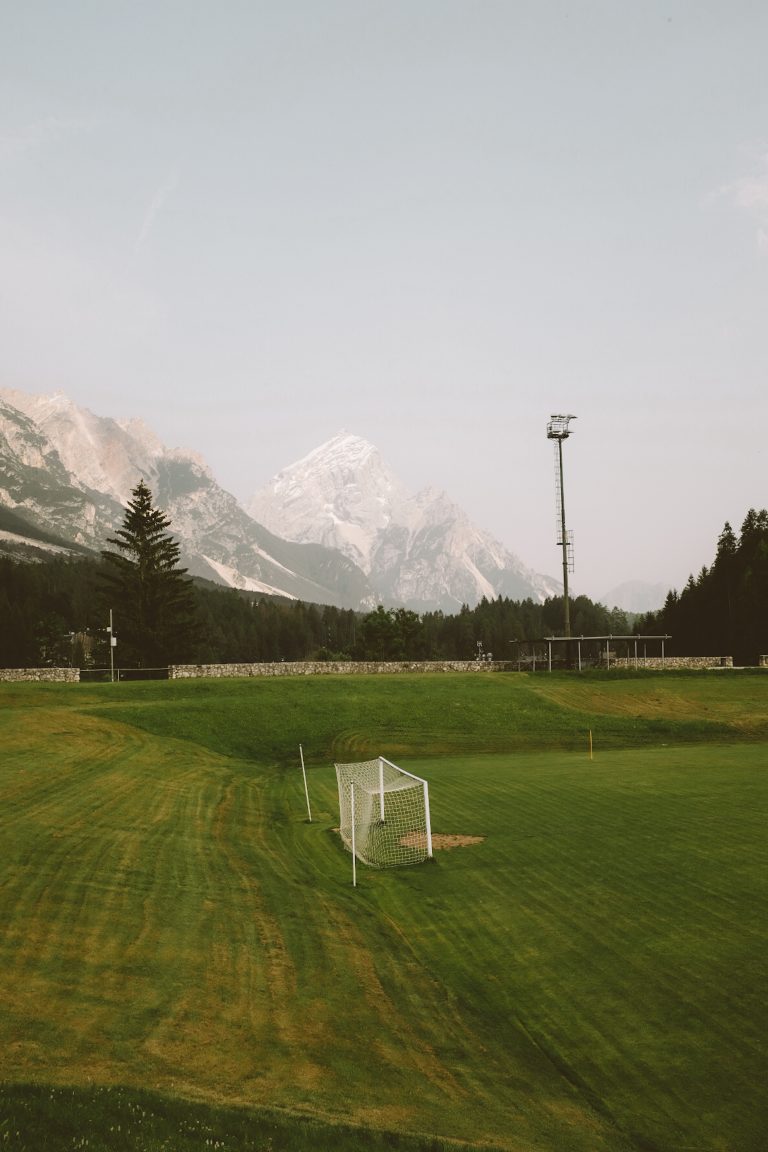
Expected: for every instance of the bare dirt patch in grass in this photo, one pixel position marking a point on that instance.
(441, 841)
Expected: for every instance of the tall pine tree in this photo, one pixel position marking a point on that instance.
(152, 601)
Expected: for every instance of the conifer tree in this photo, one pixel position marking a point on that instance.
(152, 601)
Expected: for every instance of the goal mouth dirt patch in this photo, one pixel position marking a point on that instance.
(441, 841)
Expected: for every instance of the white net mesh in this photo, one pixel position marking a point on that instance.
(391, 813)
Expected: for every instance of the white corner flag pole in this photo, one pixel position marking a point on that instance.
(306, 790)
(354, 856)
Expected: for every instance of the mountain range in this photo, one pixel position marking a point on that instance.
(335, 528)
(420, 550)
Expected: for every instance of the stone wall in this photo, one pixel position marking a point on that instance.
(367, 668)
(329, 667)
(671, 663)
(62, 675)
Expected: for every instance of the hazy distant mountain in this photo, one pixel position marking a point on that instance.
(636, 596)
(419, 550)
(66, 475)
(336, 528)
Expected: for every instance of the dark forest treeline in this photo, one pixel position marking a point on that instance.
(57, 614)
(724, 610)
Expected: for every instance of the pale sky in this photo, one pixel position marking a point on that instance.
(432, 223)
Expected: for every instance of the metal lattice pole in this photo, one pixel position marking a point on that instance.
(557, 429)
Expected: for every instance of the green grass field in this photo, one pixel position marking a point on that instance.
(184, 963)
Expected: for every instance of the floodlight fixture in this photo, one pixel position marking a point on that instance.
(557, 428)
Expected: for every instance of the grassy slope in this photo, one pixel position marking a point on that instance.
(353, 717)
(587, 977)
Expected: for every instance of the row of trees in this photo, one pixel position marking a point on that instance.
(723, 611)
(57, 614)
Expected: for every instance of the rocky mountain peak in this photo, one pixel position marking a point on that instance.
(420, 549)
(341, 495)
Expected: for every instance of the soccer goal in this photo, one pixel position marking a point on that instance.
(384, 813)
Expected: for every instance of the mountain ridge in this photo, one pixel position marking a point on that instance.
(341, 529)
(69, 472)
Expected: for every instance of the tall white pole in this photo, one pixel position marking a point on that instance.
(381, 788)
(306, 790)
(428, 820)
(354, 857)
(111, 650)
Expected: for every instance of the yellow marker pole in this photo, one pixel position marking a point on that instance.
(590, 744)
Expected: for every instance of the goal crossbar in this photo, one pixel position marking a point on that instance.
(384, 813)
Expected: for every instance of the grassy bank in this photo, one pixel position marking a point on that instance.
(351, 717)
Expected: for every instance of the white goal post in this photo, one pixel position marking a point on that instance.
(384, 813)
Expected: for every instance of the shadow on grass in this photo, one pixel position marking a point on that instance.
(118, 1119)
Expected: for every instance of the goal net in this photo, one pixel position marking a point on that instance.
(384, 813)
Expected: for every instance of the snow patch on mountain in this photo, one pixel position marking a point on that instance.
(235, 579)
(40, 545)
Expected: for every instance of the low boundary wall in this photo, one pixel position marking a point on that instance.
(671, 663)
(338, 668)
(395, 667)
(373, 667)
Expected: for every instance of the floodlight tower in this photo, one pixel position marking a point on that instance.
(557, 430)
